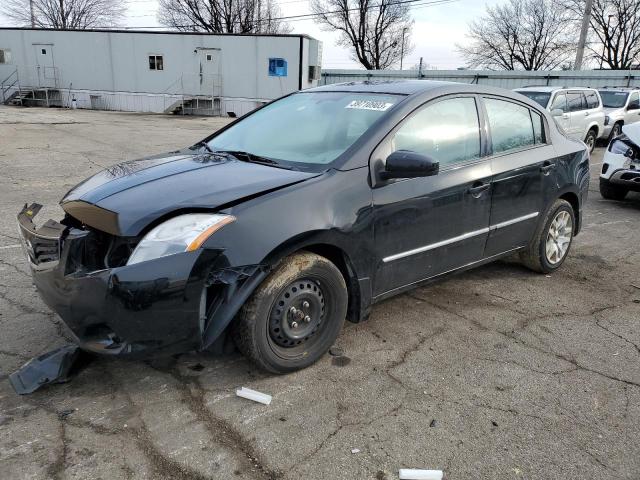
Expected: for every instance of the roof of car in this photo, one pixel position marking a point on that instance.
(401, 87)
(548, 88)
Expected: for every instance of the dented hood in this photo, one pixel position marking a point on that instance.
(632, 131)
(125, 198)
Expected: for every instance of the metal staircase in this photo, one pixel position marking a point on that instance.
(197, 94)
(25, 89)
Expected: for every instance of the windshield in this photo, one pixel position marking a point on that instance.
(541, 97)
(613, 99)
(306, 128)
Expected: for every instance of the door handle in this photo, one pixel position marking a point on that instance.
(586, 114)
(478, 188)
(565, 116)
(547, 167)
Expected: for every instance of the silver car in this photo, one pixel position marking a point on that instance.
(621, 107)
(578, 111)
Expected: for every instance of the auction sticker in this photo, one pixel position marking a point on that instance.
(369, 105)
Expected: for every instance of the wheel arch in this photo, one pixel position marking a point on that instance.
(337, 254)
(574, 200)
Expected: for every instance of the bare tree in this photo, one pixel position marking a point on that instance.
(223, 16)
(378, 31)
(71, 14)
(615, 31)
(520, 35)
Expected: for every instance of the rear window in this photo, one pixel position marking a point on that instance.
(510, 123)
(592, 100)
(540, 97)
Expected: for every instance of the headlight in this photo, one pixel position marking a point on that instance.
(620, 148)
(607, 120)
(184, 233)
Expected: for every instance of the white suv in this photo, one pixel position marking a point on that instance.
(620, 172)
(578, 111)
(621, 107)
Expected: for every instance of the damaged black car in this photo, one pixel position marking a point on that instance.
(304, 213)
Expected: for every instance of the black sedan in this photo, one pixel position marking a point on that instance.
(305, 213)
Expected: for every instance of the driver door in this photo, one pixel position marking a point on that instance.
(429, 225)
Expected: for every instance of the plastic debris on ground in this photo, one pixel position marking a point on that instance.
(253, 395)
(413, 474)
(56, 366)
(355, 450)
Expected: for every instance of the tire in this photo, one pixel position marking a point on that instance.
(611, 191)
(281, 341)
(536, 255)
(615, 130)
(590, 140)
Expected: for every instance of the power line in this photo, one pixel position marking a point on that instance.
(308, 16)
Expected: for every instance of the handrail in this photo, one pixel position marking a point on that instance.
(2, 84)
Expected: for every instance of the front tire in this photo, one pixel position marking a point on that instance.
(612, 192)
(294, 316)
(590, 140)
(552, 240)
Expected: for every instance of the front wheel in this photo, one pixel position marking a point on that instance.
(294, 316)
(551, 242)
(590, 140)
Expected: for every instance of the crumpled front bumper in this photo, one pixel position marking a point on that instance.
(169, 305)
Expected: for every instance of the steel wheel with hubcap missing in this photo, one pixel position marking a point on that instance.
(294, 316)
(559, 237)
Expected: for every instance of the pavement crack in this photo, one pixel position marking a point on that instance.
(220, 430)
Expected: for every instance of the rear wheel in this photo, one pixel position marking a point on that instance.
(551, 242)
(294, 316)
(612, 192)
(590, 140)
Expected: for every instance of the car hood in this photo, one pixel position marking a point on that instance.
(632, 131)
(125, 198)
(613, 111)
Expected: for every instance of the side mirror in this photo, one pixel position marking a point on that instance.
(633, 106)
(557, 112)
(408, 164)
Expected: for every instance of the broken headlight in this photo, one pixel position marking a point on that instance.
(183, 233)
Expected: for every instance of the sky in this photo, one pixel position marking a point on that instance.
(435, 33)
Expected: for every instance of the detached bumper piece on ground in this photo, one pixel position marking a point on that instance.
(56, 366)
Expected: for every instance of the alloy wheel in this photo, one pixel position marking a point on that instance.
(559, 237)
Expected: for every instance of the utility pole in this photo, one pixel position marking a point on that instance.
(420, 69)
(402, 48)
(33, 18)
(583, 34)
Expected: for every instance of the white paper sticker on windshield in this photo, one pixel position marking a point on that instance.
(370, 105)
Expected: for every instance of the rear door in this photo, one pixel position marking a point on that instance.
(524, 173)
(430, 225)
(579, 114)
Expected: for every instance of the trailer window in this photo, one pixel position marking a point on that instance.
(155, 62)
(5, 55)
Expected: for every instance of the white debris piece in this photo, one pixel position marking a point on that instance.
(412, 474)
(355, 450)
(253, 395)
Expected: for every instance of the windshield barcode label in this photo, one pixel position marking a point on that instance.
(369, 105)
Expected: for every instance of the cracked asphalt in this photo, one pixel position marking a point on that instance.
(497, 373)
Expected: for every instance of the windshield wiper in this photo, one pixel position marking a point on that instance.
(253, 158)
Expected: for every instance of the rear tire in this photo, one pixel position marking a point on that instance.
(590, 140)
(554, 234)
(612, 192)
(294, 316)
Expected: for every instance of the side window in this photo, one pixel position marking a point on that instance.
(592, 100)
(156, 62)
(560, 102)
(448, 131)
(575, 101)
(538, 127)
(510, 125)
(634, 100)
(5, 55)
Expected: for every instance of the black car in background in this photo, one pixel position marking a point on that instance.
(306, 212)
